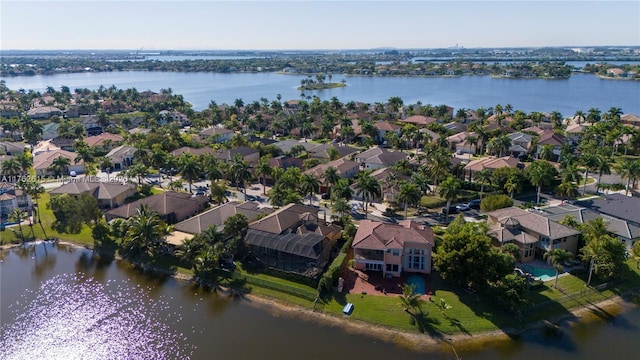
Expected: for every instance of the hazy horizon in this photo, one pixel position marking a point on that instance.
(209, 25)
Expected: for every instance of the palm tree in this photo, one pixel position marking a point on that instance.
(602, 166)
(341, 207)
(568, 189)
(138, 170)
(483, 176)
(262, 171)
(341, 190)
(409, 195)
(144, 232)
(331, 178)
(540, 174)
(511, 186)
(11, 167)
(590, 162)
(309, 185)
(595, 233)
(629, 169)
(410, 300)
(369, 188)
(189, 168)
(18, 216)
(60, 165)
(449, 189)
(557, 257)
(238, 172)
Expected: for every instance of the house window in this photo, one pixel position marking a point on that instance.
(395, 252)
(528, 250)
(416, 259)
(392, 267)
(374, 267)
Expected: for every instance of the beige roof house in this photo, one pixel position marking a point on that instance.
(108, 195)
(393, 248)
(419, 120)
(492, 163)
(172, 206)
(100, 140)
(344, 168)
(378, 157)
(43, 160)
(217, 216)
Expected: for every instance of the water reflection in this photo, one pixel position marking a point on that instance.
(77, 317)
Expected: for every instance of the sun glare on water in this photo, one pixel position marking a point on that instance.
(76, 317)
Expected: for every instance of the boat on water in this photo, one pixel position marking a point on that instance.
(347, 309)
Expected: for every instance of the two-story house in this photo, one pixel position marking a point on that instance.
(533, 233)
(393, 248)
(378, 157)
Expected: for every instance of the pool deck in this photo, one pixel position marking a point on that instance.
(373, 283)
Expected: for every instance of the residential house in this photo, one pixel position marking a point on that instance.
(44, 112)
(108, 194)
(12, 148)
(550, 138)
(458, 143)
(345, 169)
(91, 125)
(378, 157)
(215, 217)
(630, 119)
(12, 198)
(121, 157)
(322, 151)
(533, 233)
(250, 155)
(491, 163)
(574, 132)
(393, 248)
(383, 128)
(419, 121)
(8, 109)
(293, 239)
(49, 131)
(166, 117)
(455, 127)
(63, 143)
(193, 151)
(106, 141)
(287, 145)
(521, 143)
(624, 209)
(172, 206)
(43, 160)
(388, 180)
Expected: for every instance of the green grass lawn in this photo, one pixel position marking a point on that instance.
(11, 234)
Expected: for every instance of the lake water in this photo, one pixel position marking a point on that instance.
(62, 304)
(580, 92)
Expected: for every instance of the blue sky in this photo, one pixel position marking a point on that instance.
(224, 25)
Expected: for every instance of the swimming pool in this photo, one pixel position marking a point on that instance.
(417, 282)
(539, 273)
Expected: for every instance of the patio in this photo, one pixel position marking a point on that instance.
(373, 283)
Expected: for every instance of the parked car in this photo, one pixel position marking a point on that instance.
(474, 204)
(452, 210)
(462, 207)
(325, 196)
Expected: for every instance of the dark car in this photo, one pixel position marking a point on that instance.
(474, 204)
(452, 210)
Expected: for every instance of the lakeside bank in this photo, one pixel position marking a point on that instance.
(413, 340)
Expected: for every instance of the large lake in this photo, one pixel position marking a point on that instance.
(61, 304)
(580, 92)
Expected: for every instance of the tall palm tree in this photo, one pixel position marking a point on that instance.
(511, 186)
(369, 188)
(557, 257)
(595, 233)
(449, 189)
(590, 162)
(309, 185)
(602, 166)
(409, 195)
(144, 232)
(410, 300)
(568, 190)
(11, 167)
(238, 172)
(189, 168)
(262, 171)
(342, 190)
(483, 177)
(341, 207)
(629, 169)
(540, 174)
(331, 178)
(18, 216)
